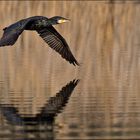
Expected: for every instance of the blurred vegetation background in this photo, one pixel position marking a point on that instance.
(103, 36)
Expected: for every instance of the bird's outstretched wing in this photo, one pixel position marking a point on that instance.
(10, 37)
(12, 33)
(58, 43)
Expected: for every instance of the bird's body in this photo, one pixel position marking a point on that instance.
(31, 23)
(37, 22)
(43, 26)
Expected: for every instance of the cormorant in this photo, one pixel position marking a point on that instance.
(43, 26)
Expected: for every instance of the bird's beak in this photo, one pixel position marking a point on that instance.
(63, 20)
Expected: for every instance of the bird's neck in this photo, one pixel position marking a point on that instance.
(51, 21)
(43, 23)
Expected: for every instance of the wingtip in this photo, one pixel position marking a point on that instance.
(75, 63)
(76, 81)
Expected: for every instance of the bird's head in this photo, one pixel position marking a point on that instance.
(58, 20)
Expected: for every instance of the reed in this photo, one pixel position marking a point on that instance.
(103, 37)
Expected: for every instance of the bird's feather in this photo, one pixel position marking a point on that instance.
(9, 37)
(12, 32)
(58, 43)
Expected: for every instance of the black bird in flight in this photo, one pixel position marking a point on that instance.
(43, 26)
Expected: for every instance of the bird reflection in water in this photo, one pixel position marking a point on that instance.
(42, 125)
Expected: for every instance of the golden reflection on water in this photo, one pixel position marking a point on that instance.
(43, 121)
(105, 40)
